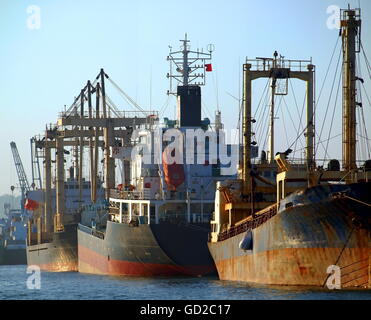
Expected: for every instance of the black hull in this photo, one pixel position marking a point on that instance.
(146, 250)
(13, 256)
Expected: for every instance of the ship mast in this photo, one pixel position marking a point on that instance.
(271, 120)
(246, 129)
(350, 27)
(190, 74)
(185, 61)
(189, 65)
(271, 68)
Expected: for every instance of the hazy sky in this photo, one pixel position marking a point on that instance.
(43, 69)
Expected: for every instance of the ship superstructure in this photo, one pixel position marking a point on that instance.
(159, 214)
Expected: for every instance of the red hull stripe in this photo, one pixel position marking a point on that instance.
(93, 262)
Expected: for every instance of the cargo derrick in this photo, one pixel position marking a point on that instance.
(76, 128)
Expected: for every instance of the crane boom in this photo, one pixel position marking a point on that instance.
(23, 182)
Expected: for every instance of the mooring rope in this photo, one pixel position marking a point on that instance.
(341, 253)
(359, 201)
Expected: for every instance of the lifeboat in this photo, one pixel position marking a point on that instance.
(174, 173)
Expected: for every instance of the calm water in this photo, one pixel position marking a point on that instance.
(76, 286)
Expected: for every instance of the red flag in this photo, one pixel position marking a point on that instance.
(31, 205)
(209, 67)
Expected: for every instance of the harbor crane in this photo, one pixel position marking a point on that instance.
(22, 177)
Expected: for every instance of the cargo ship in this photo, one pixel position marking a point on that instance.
(13, 237)
(159, 215)
(316, 231)
(57, 207)
(50, 248)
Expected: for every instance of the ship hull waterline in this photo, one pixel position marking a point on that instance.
(59, 255)
(145, 251)
(298, 245)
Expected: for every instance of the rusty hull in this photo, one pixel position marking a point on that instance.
(296, 246)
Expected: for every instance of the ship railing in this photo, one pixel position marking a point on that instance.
(126, 219)
(98, 234)
(180, 219)
(300, 163)
(146, 195)
(265, 64)
(128, 195)
(249, 224)
(135, 219)
(84, 228)
(91, 231)
(117, 114)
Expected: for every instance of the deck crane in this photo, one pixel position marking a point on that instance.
(23, 182)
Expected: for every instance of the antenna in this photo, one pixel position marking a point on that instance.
(150, 89)
(189, 65)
